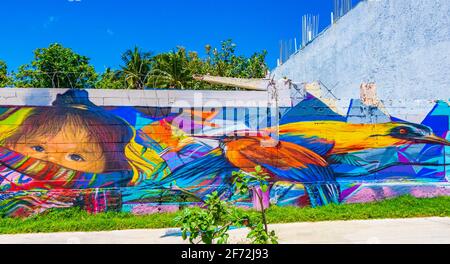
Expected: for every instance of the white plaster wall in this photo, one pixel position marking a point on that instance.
(402, 45)
(156, 98)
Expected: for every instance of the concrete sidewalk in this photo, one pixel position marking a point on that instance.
(414, 230)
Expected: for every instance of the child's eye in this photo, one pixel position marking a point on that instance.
(75, 157)
(38, 148)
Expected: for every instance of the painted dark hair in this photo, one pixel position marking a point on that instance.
(74, 108)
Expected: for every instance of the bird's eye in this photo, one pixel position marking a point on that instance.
(38, 148)
(75, 157)
(403, 131)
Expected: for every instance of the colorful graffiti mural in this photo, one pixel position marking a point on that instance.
(150, 159)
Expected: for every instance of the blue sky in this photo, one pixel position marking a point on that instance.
(103, 29)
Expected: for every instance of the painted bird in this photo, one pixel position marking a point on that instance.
(305, 149)
(282, 161)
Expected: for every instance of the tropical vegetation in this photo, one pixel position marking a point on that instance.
(4, 79)
(57, 66)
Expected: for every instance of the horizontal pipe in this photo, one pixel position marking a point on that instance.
(248, 84)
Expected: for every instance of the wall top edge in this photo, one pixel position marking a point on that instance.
(146, 98)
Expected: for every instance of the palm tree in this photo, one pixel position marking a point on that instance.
(170, 70)
(137, 65)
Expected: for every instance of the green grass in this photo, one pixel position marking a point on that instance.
(68, 220)
(401, 207)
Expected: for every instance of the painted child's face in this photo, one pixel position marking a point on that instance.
(69, 148)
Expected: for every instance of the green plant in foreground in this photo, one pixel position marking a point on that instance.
(259, 235)
(258, 179)
(210, 223)
(213, 222)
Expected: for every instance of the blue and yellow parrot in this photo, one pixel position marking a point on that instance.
(305, 149)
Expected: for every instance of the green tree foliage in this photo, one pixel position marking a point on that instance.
(171, 70)
(212, 223)
(226, 63)
(111, 79)
(136, 68)
(59, 67)
(175, 69)
(4, 79)
(56, 67)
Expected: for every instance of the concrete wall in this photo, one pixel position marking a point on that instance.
(402, 45)
(131, 151)
(152, 98)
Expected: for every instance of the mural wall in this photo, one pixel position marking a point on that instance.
(150, 159)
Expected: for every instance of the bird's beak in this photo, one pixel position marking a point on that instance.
(433, 139)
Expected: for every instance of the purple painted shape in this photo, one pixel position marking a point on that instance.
(348, 191)
(377, 193)
(144, 209)
(430, 191)
(265, 198)
(365, 195)
(402, 158)
(172, 160)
